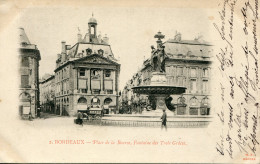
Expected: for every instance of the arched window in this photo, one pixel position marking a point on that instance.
(181, 106)
(194, 106)
(25, 97)
(95, 101)
(82, 100)
(205, 106)
(107, 101)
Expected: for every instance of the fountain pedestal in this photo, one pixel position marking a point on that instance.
(159, 89)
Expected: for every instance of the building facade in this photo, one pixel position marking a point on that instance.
(187, 64)
(47, 95)
(86, 72)
(29, 57)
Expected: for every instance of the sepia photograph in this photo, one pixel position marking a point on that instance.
(129, 81)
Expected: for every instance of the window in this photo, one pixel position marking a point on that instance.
(205, 72)
(95, 91)
(100, 52)
(181, 106)
(180, 81)
(89, 51)
(109, 91)
(193, 72)
(193, 85)
(205, 86)
(65, 75)
(24, 81)
(25, 62)
(82, 72)
(193, 111)
(107, 73)
(82, 100)
(205, 106)
(82, 84)
(194, 106)
(108, 84)
(180, 71)
(83, 90)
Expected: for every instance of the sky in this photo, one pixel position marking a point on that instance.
(130, 30)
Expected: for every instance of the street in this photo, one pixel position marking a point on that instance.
(37, 139)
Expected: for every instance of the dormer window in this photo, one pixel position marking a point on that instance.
(100, 52)
(89, 51)
(107, 73)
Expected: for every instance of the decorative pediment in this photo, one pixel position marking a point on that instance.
(96, 59)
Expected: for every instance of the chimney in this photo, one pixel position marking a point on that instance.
(99, 38)
(106, 39)
(79, 37)
(58, 56)
(63, 47)
(86, 39)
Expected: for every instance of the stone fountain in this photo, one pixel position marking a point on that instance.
(158, 87)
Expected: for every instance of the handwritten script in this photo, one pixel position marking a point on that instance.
(237, 61)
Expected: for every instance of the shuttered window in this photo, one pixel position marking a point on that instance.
(82, 84)
(95, 84)
(24, 81)
(25, 62)
(108, 85)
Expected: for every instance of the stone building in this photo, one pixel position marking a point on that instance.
(29, 57)
(47, 95)
(86, 72)
(187, 64)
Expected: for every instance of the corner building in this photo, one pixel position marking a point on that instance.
(86, 72)
(29, 57)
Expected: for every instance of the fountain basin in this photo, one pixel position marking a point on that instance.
(158, 89)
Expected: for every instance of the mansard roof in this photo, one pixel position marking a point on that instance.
(95, 58)
(188, 48)
(80, 48)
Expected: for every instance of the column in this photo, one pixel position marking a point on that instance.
(88, 76)
(114, 81)
(102, 81)
(200, 80)
(75, 74)
(199, 110)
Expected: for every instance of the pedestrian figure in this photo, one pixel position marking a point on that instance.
(38, 113)
(30, 116)
(164, 120)
(79, 118)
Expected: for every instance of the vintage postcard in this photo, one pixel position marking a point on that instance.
(144, 81)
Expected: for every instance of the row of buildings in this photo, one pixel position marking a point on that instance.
(88, 73)
(187, 64)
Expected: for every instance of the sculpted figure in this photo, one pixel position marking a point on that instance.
(157, 59)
